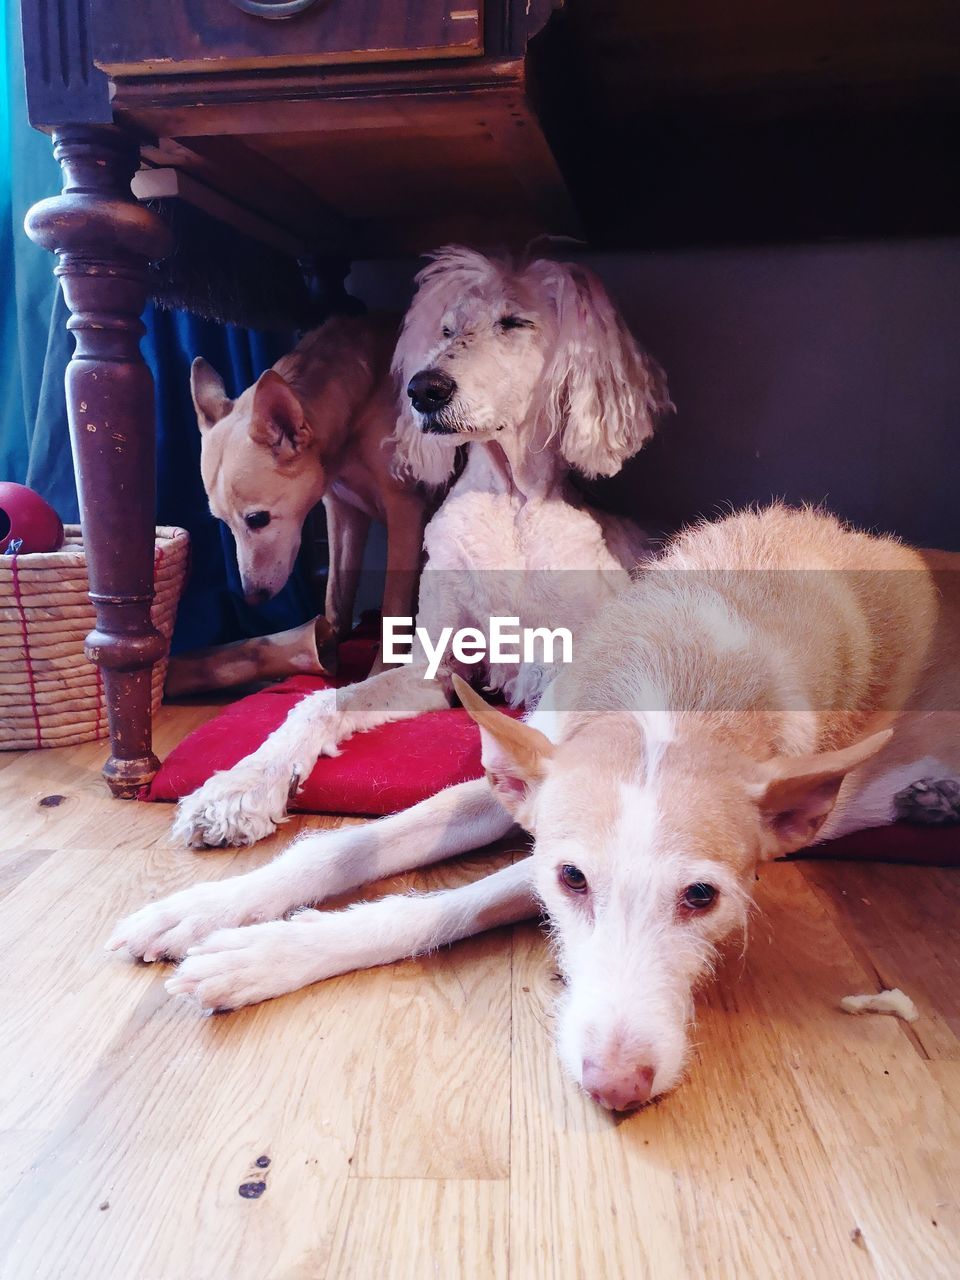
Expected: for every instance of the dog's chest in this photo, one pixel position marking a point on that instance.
(500, 532)
(544, 563)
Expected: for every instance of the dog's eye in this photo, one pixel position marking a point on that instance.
(257, 519)
(446, 332)
(514, 322)
(572, 878)
(698, 897)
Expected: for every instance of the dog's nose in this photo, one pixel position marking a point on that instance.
(430, 390)
(259, 595)
(617, 1089)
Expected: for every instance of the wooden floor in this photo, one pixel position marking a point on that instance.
(414, 1118)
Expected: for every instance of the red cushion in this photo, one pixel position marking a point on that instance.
(378, 772)
(393, 767)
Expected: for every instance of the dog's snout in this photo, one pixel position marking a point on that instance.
(257, 595)
(430, 390)
(617, 1088)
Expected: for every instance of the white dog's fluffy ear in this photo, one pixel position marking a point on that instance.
(210, 398)
(602, 394)
(451, 273)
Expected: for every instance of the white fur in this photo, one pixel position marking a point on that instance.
(630, 964)
(576, 376)
(314, 868)
(513, 538)
(659, 730)
(234, 967)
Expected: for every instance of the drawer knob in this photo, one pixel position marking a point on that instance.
(273, 8)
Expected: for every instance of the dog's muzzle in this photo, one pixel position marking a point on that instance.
(430, 390)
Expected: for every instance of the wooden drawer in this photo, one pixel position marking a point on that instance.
(170, 36)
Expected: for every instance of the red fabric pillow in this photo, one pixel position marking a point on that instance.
(378, 772)
(393, 767)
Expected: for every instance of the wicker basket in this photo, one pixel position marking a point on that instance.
(50, 695)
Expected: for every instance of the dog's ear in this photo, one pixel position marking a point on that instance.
(210, 398)
(277, 419)
(602, 394)
(795, 794)
(514, 754)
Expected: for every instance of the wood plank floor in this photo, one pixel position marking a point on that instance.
(415, 1120)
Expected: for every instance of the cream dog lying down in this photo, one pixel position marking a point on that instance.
(774, 680)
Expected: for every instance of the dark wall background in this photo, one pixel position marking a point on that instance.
(824, 374)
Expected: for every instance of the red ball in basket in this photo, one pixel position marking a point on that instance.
(27, 523)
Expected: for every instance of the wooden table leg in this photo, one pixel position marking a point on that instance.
(105, 240)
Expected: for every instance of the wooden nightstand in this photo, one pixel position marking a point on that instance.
(348, 127)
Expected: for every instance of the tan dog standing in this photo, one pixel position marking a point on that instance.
(316, 427)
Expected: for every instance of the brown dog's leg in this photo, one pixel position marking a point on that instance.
(406, 518)
(405, 525)
(224, 666)
(347, 529)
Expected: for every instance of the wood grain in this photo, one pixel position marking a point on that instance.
(447, 1018)
(908, 939)
(415, 1119)
(411, 1229)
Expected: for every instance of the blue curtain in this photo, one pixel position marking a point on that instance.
(28, 172)
(34, 440)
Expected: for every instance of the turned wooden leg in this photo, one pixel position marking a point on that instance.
(105, 240)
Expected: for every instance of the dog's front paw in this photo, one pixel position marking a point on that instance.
(236, 806)
(168, 928)
(236, 967)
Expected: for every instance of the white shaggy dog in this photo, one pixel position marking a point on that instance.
(532, 369)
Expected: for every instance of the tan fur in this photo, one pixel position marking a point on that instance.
(789, 677)
(316, 427)
(736, 700)
(838, 636)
